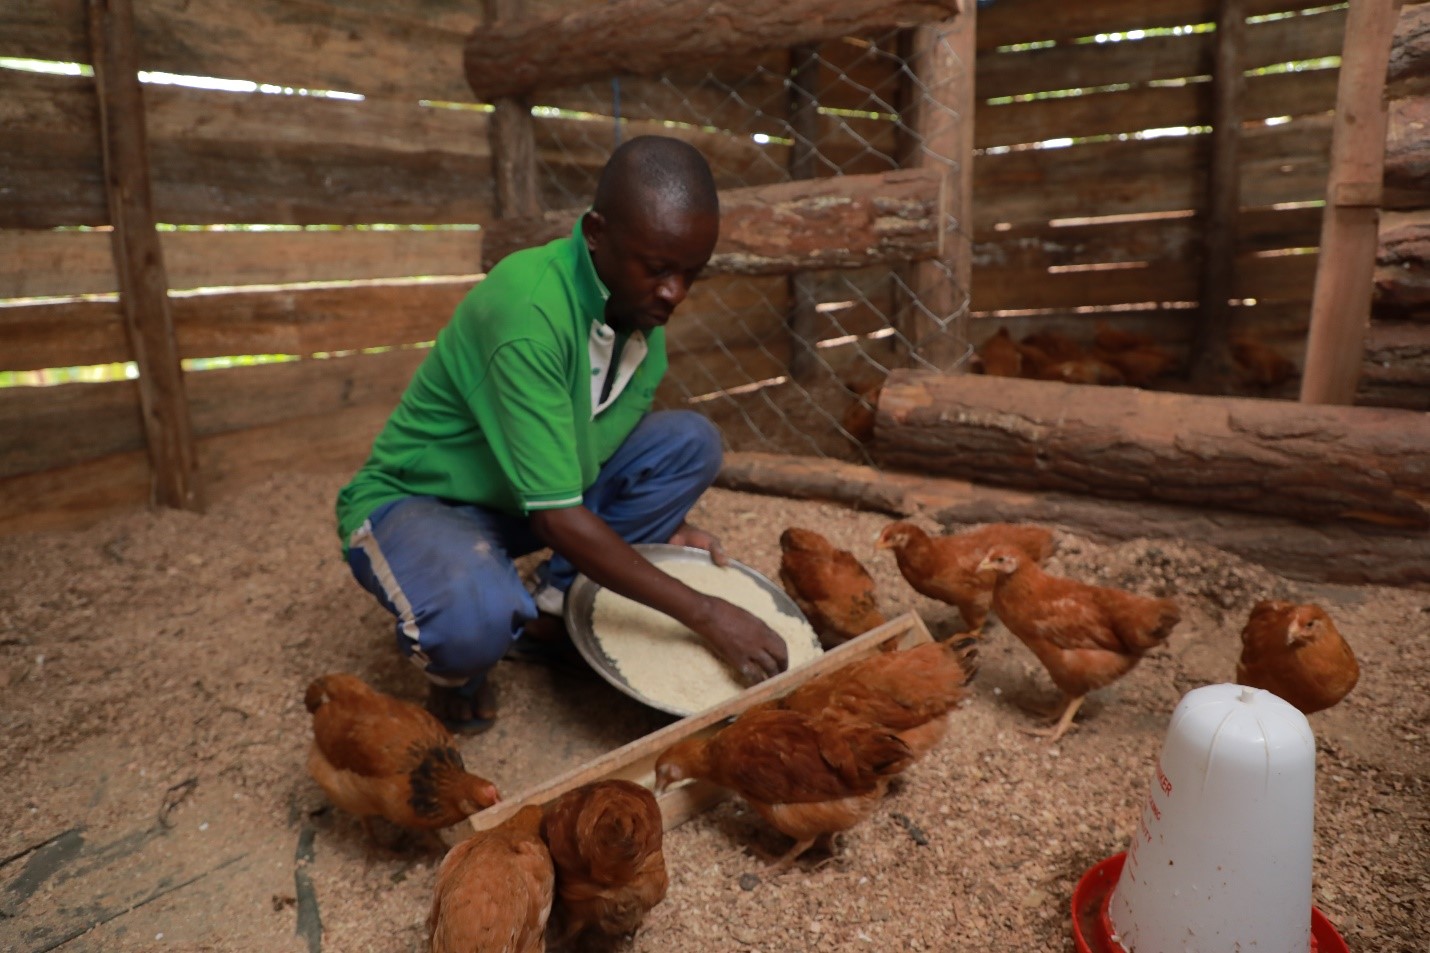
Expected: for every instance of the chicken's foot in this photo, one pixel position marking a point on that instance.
(1064, 724)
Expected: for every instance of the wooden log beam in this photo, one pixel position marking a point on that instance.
(646, 37)
(139, 258)
(1324, 553)
(1340, 303)
(1408, 70)
(805, 80)
(1361, 464)
(1407, 152)
(844, 222)
(636, 761)
(1402, 267)
(1211, 354)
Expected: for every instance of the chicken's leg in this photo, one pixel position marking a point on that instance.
(787, 859)
(1064, 723)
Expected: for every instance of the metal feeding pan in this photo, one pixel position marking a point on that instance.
(581, 606)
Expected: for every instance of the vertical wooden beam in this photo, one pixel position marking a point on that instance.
(513, 138)
(1210, 359)
(803, 319)
(138, 257)
(942, 107)
(1340, 303)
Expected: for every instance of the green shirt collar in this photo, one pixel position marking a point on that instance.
(590, 283)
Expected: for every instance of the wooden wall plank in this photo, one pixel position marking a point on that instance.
(76, 496)
(1031, 21)
(1280, 94)
(1285, 163)
(46, 428)
(39, 263)
(312, 45)
(1282, 277)
(1073, 66)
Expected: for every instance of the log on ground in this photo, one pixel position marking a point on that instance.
(1315, 463)
(1338, 553)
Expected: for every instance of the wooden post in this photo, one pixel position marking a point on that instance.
(512, 136)
(936, 323)
(139, 259)
(1340, 303)
(1209, 359)
(803, 320)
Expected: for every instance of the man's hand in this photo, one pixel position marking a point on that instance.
(743, 642)
(698, 538)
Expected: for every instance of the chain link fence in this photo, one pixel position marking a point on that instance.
(790, 364)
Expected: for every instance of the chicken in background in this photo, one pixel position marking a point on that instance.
(605, 843)
(379, 756)
(999, 356)
(494, 891)
(1259, 363)
(946, 567)
(865, 383)
(1083, 370)
(833, 590)
(1297, 653)
(911, 692)
(1086, 636)
(1137, 357)
(809, 777)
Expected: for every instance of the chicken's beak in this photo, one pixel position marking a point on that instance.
(985, 566)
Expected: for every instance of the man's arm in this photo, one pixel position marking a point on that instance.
(746, 644)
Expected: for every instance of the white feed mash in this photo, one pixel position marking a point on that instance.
(666, 662)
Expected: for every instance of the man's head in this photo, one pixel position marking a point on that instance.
(651, 228)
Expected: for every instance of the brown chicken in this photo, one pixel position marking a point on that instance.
(1137, 357)
(494, 891)
(1082, 370)
(605, 842)
(809, 777)
(911, 692)
(946, 567)
(1297, 653)
(858, 418)
(831, 588)
(1085, 636)
(999, 355)
(1260, 363)
(376, 755)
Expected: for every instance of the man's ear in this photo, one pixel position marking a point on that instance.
(593, 229)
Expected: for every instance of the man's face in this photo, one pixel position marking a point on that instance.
(648, 261)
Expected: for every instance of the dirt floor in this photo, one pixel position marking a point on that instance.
(153, 734)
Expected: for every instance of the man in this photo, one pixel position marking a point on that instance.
(529, 425)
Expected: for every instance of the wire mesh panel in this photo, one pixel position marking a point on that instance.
(786, 363)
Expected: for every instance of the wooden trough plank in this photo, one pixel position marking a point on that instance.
(1086, 65)
(1316, 463)
(1326, 552)
(636, 761)
(42, 263)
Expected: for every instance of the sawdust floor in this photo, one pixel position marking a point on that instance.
(153, 795)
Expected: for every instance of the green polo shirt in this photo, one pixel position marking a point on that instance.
(500, 412)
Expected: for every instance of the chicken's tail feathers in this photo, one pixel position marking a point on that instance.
(1142, 638)
(880, 751)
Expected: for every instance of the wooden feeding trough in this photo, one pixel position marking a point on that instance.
(636, 761)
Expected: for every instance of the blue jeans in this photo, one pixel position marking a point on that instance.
(445, 570)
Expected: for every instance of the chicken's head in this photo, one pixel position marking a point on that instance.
(1003, 560)
(681, 761)
(897, 536)
(1307, 624)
